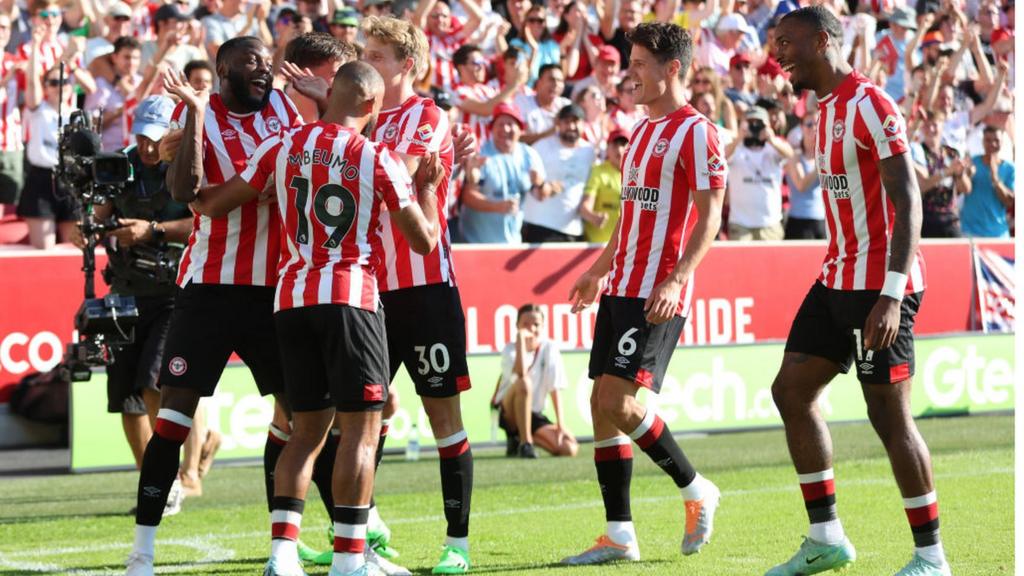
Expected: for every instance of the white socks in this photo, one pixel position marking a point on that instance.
(830, 532)
(457, 542)
(145, 540)
(622, 533)
(694, 490)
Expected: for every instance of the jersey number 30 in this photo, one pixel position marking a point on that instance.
(333, 205)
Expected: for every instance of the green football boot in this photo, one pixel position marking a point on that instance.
(813, 557)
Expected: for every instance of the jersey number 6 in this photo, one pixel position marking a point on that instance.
(333, 205)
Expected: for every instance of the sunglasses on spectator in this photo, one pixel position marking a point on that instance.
(55, 82)
(478, 62)
(701, 81)
(122, 18)
(49, 14)
(810, 124)
(535, 20)
(439, 15)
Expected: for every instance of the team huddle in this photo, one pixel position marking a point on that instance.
(320, 255)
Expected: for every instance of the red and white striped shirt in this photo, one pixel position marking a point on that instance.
(50, 52)
(243, 247)
(417, 128)
(330, 184)
(442, 49)
(859, 125)
(666, 162)
(480, 125)
(11, 135)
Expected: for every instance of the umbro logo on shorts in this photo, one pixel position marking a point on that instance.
(866, 368)
(435, 381)
(151, 491)
(621, 361)
(452, 503)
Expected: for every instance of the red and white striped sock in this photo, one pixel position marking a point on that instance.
(349, 537)
(819, 491)
(923, 514)
(285, 523)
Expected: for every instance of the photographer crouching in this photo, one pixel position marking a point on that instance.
(143, 253)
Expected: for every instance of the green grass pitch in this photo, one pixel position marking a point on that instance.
(529, 514)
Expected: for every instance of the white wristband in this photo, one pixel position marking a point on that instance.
(895, 285)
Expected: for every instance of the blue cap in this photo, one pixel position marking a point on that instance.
(153, 117)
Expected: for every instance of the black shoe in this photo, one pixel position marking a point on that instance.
(526, 451)
(511, 446)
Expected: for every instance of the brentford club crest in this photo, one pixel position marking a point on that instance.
(390, 132)
(273, 124)
(661, 147)
(838, 129)
(633, 175)
(177, 366)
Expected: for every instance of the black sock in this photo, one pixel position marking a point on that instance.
(323, 472)
(160, 466)
(656, 440)
(456, 482)
(276, 441)
(613, 459)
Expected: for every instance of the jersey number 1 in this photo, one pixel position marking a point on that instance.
(339, 213)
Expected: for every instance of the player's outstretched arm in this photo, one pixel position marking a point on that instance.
(217, 201)
(900, 182)
(664, 299)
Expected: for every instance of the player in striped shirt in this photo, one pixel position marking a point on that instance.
(226, 276)
(861, 309)
(673, 184)
(423, 310)
(332, 185)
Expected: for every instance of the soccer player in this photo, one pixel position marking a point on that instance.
(330, 326)
(861, 309)
(227, 277)
(673, 183)
(423, 310)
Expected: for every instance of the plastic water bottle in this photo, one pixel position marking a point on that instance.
(412, 447)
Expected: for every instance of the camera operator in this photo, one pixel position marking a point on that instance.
(756, 161)
(143, 254)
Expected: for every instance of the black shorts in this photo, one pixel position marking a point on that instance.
(804, 229)
(427, 333)
(43, 197)
(537, 421)
(136, 367)
(627, 346)
(209, 322)
(830, 322)
(333, 355)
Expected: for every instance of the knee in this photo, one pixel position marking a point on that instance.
(570, 448)
(880, 414)
(790, 398)
(613, 408)
(180, 400)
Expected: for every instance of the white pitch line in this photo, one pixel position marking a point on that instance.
(213, 555)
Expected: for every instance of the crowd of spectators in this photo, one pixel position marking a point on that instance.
(544, 86)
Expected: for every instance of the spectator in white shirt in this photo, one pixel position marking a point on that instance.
(532, 370)
(756, 160)
(551, 212)
(119, 23)
(540, 108)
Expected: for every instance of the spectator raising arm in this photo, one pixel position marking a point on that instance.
(979, 112)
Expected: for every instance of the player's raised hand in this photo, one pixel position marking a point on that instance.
(882, 325)
(464, 142)
(664, 299)
(585, 291)
(305, 82)
(429, 172)
(176, 83)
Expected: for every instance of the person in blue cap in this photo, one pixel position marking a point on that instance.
(143, 254)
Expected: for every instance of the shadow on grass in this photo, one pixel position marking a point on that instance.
(53, 517)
